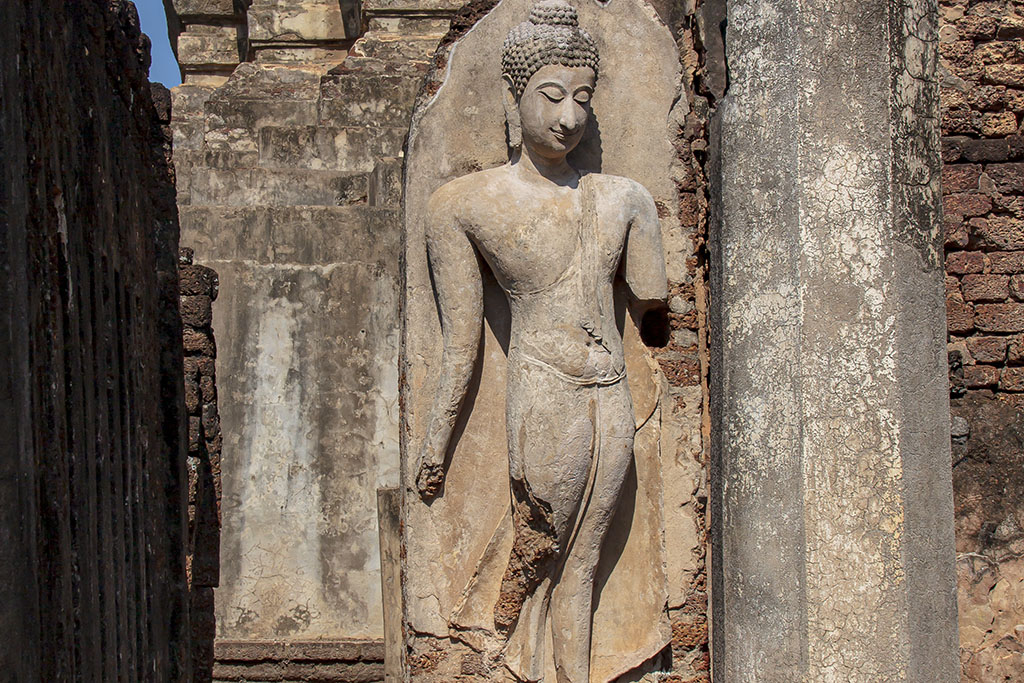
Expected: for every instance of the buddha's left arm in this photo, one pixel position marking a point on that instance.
(644, 260)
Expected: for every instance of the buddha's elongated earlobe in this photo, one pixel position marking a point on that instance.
(515, 130)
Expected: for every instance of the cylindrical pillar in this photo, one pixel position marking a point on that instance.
(832, 510)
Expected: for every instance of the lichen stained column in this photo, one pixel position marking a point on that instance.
(832, 504)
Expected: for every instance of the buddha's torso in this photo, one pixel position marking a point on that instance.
(556, 259)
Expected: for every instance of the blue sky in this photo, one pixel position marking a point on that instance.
(154, 24)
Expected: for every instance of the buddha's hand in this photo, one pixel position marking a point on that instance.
(430, 476)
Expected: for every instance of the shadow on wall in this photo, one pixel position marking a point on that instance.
(988, 483)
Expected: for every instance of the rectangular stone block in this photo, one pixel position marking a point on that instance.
(297, 22)
(966, 204)
(187, 135)
(237, 140)
(985, 150)
(367, 100)
(272, 81)
(1012, 379)
(197, 280)
(221, 159)
(955, 231)
(988, 349)
(353, 650)
(1008, 204)
(1011, 75)
(328, 149)
(978, 27)
(960, 262)
(999, 317)
(397, 48)
(195, 310)
(206, 9)
(978, 287)
(998, 232)
(188, 102)
(1017, 287)
(217, 48)
(409, 26)
(960, 177)
(1006, 261)
(1007, 177)
(309, 392)
(1015, 352)
(998, 124)
(959, 315)
(386, 183)
(981, 376)
(253, 114)
(292, 235)
(262, 187)
(297, 53)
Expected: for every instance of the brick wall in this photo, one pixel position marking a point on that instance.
(983, 184)
(982, 72)
(199, 288)
(92, 572)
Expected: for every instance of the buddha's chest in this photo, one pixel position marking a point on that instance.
(532, 247)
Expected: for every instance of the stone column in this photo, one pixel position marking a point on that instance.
(832, 505)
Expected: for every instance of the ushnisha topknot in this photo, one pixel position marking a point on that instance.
(551, 36)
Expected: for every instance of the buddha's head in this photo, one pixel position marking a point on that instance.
(549, 69)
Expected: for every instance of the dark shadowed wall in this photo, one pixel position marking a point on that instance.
(92, 571)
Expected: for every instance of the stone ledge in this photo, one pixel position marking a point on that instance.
(436, 7)
(326, 661)
(348, 650)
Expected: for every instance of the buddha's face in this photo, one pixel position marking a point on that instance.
(554, 109)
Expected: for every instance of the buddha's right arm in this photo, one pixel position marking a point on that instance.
(458, 285)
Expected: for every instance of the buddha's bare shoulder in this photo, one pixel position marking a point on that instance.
(458, 196)
(621, 189)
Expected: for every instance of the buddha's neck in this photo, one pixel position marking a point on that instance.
(557, 170)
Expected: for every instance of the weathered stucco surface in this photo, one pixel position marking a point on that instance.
(833, 553)
(288, 177)
(284, 190)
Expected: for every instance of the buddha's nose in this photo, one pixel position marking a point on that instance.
(568, 117)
